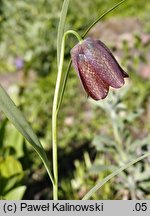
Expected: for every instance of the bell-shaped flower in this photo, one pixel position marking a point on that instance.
(97, 68)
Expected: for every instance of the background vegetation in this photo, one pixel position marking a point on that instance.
(94, 138)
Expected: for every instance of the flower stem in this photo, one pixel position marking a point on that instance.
(55, 112)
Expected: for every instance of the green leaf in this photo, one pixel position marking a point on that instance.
(61, 27)
(100, 17)
(15, 140)
(116, 172)
(2, 132)
(97, 168)
(15, 194)
(19, 121)
(11, 173)
(10, 166)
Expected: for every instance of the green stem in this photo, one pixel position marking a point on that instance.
(119, 142)
(118, 139)
(55, 112)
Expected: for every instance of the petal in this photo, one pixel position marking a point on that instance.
(124, 74)
(75, 51)
(101, 58)
(92, 82)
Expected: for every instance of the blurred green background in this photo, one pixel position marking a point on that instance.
(94, 137)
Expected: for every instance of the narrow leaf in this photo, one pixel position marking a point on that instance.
(100, 17)
(116, 172)
(19, 121)
(61, 27)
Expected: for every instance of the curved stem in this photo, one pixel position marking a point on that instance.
(55, 112)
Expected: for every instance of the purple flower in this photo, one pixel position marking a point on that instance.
(97, 68)
(19, 63)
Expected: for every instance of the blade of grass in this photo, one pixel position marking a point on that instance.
(100, 17)
(63, 85)
(21, 124)
(116, 172)
(61, 27)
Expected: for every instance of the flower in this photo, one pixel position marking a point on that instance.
(19, 63)
(97, 68)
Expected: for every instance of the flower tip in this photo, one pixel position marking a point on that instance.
(125, 75)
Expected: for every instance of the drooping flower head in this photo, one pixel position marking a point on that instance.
(97, 68)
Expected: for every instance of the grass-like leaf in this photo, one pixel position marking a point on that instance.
(100, 17)
(61, 27)
(119, 170)
(19, 121)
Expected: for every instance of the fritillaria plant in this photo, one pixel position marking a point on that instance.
(97, 69)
